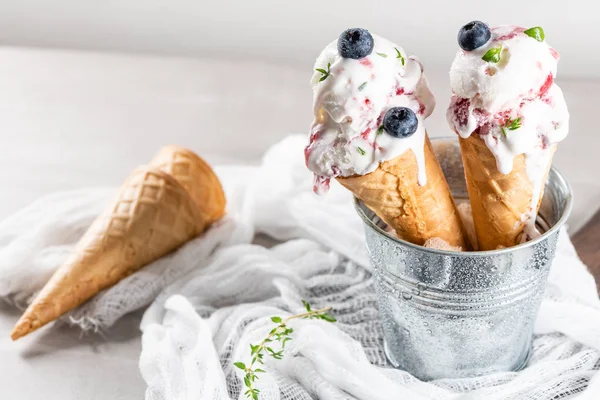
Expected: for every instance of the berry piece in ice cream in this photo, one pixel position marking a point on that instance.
(355, 43)
(473, 35)
(400, 122)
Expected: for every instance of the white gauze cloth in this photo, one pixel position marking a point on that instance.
(215, 296)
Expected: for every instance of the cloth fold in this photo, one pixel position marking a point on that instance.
(280, 244)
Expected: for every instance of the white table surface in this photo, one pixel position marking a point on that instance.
(73, 119)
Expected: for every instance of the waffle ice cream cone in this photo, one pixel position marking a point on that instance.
(416, 213)
(498, 201)
(510, 115)
(152, 215)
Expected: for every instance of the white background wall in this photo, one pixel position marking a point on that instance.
(293, 31)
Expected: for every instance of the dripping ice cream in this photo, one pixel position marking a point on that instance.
(504, 93)
(487, 96)
(370, 103)
(351, 98)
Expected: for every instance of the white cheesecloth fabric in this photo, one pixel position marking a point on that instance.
(215, 296)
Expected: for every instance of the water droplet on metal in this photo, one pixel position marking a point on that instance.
(406, 295)
(426, 323)
(429, 331)
(406, 332)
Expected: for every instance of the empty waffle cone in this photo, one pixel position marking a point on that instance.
(152, 216)
(196, 176)
(498, 201)
(416, 213)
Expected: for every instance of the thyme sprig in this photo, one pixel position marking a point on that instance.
(281, 334)
(399, 55)
(325, 72)
(511, 125)
(537, 32)
(493, 55)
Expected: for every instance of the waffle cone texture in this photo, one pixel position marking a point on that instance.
(159, 208)
(416, 213)
(498, 201)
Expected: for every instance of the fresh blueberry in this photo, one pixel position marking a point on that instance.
(355, 43)
(473, 35)
(400, 122)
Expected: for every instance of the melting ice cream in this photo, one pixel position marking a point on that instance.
(351, 98)
(504, 91)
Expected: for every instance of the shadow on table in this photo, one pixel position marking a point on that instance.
(60, 336)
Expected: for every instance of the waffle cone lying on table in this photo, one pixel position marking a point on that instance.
(370, 101)
(159, 208)
(510, 115)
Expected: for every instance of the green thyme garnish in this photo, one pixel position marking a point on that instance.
(399, 56)
(380, 130)
(492, 55)
(537, 32)
(325, 73)
(511, 125)
(361, 151)
(382, 55)
(280, 334)
(362, 86)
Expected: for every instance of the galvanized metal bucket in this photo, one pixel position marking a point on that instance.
(462, 314)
